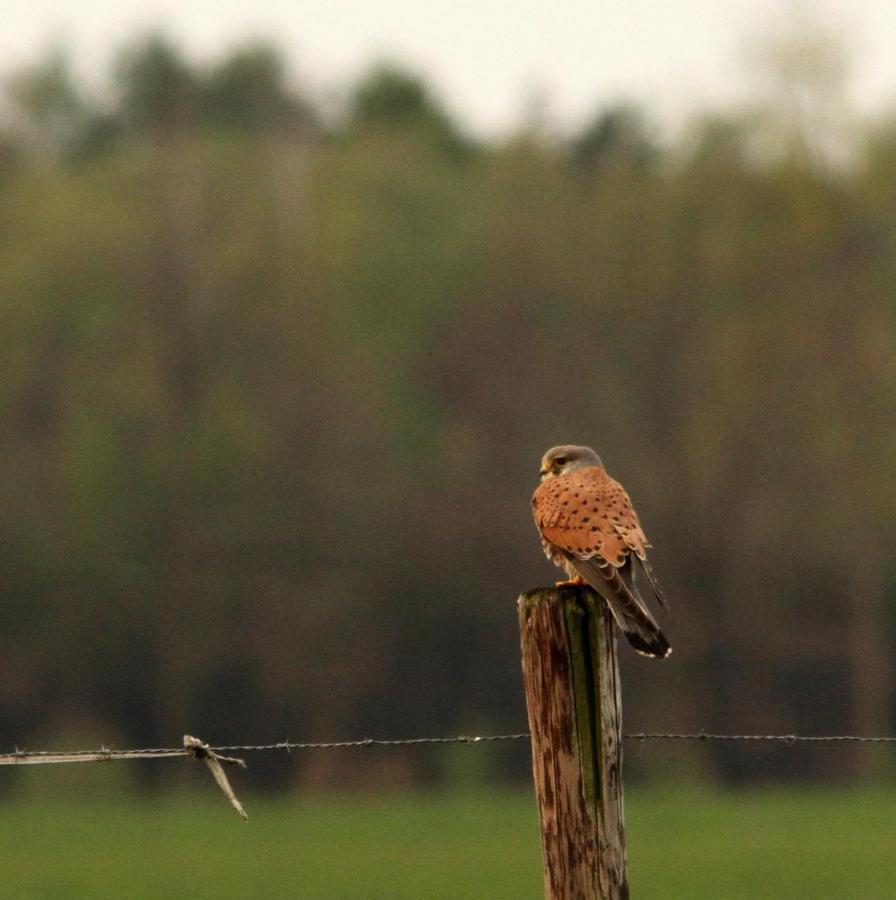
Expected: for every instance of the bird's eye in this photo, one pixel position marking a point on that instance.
(560, 460)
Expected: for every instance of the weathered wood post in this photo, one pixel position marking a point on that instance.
(571, 677)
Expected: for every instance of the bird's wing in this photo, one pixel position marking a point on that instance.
(587, 513)
(589, 518)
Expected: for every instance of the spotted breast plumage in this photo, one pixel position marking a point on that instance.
(590, 530)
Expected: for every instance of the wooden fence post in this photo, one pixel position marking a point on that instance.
(571, 677)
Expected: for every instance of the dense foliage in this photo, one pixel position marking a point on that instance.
(277, 384)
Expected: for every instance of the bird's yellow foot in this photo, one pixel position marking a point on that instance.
(570, 582)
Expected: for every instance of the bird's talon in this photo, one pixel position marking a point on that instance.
(578, 581)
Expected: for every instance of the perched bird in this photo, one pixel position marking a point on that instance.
(590, 530)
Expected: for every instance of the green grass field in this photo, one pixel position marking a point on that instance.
(796, 844)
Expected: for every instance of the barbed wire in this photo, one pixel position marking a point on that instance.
(106, 753)
(779, 738)
(213, 756)
(637, 736)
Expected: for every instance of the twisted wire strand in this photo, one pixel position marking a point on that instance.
(104, 753)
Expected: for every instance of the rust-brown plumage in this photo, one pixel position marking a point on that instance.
(590, 529)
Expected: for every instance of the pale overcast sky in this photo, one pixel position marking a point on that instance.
(485, 58)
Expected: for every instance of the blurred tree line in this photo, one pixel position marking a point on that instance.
(277, 384)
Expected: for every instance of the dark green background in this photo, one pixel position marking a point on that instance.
(277, 378)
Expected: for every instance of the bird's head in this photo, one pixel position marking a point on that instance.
(567, 458)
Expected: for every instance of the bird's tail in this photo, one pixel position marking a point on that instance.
(625, 603)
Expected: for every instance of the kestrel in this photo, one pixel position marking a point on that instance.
(590, 530)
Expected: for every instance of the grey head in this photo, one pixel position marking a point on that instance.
(567, 458)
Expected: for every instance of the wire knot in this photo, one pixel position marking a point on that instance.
(200, 750)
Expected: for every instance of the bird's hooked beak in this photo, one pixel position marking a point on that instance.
(544, 471)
